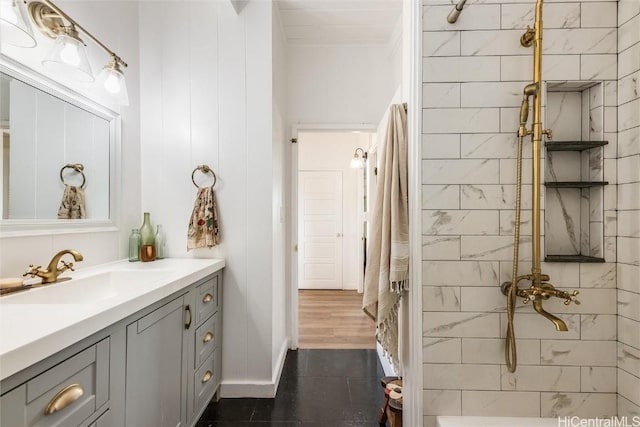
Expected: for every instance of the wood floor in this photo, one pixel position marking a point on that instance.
(334, 320)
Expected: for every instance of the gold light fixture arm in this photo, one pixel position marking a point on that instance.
(49, 19)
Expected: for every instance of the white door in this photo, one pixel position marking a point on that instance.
(320, 230)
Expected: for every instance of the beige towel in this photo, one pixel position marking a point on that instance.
(203, 227)
(387, 272)
(72, 205)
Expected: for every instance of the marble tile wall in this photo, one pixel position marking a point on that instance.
(628, 194)
(473, 75)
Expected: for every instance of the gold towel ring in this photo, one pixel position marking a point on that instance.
(204, 169)
(79, 168)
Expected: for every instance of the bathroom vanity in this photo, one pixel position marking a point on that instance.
(120, 345)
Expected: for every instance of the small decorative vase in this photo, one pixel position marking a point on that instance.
(147, 240)
(161, 241)
(134, 245)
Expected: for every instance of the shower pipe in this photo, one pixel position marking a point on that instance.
(541, 289)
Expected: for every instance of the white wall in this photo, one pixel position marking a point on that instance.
(333, 151)
(116, 24)
(207, 98)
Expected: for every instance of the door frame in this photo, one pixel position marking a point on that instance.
(293, 256)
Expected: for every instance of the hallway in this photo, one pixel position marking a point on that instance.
(317, 388)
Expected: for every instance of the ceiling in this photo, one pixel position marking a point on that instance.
(339, 22)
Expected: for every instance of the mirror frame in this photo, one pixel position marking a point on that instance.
(34, 227)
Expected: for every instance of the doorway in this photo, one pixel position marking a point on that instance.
(331, 228)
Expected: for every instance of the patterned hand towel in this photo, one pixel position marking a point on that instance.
(203, 226)
(72, 205)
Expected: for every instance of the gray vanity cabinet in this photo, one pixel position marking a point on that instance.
(156, 368)
(159, 367)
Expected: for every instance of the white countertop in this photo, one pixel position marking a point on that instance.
(32, 332)
(496, 422)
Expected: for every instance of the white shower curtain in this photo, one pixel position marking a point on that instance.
(387, 272)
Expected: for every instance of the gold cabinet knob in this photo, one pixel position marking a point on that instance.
(207, 298)
(207, 376)
(207, 337)
(64, 398)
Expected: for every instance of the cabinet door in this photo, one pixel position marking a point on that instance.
(156, 371)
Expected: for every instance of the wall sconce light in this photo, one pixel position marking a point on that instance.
(69, 56)
(357, 162)
(15, 27)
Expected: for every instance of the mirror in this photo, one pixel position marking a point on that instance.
(58, 150)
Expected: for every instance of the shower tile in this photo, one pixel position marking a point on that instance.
(501, 403)
(628, 386)
(611, 224)
(629, 115)
(578, 353)
(491, 351)
(465, 171)
(460, 69)
(628, 33)
(629, 88)
(558, 15)
(610, 93)
(493, 248)
(460, 120)
(440, 146)
(629, 331)
(440, 95)
(627, 408)
(441, 248)
(471, 325)
(562, 221)
(629, 359)
(611, 149)
(499, 94)
(441, 43)
(598, 275)
(466, 222)
(627, 9)
(578, 40)
(508, 220)
(509, 171)
(498, 42)
(541, 378)
(492, 196)
(610, 119)
(598, 67)
(629, 60)
(440, 197)
(459, 273)
(585, 405)
(598, 327)
(489, 146)
(440, 298)
(531, 325)
(629, 305)
(465, 377)
(598, 15)
(485, 17)
(628, 277)
(554, 67)
(442, 402)
(509, 119)
(563, 274)
(628, 196)
(628, 250)
(610, 249)
(629, 169)
(441, 350)
(628, 224)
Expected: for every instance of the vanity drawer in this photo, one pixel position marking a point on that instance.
(206, 339)
(206, 299)
(77, 387)
(206, 380)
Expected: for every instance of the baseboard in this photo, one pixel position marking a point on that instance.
(257, 389)
(386, 365)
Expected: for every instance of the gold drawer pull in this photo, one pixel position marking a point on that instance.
(207, 298)
(207, 376)
(64, 398)
(207, 337)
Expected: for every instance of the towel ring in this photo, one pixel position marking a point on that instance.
(79, 168)
(204, 169)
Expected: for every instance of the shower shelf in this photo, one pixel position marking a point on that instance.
(573, 145)
(572, 258)
(575, 184)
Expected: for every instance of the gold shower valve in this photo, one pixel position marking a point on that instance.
(548, 133)
(526, 40)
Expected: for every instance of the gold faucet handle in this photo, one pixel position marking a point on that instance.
(31, 271)
(572, 298)
(68, 265)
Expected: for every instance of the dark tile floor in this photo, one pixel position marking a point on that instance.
(318, 388)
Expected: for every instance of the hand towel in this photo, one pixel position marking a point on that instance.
(387, 269)
(72, 205)
(203, 226)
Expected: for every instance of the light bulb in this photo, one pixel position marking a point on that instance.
(7, 12)
(69, 54)
(111, 84)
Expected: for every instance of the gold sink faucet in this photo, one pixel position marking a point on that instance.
(50, 275)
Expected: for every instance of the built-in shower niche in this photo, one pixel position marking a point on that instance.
(574, 172)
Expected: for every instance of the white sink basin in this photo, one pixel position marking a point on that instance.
(87, 289)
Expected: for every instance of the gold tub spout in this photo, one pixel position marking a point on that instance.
(560, 325)
(50, 275)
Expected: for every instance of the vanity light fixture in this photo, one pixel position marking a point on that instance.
(69, 54)
(357, 162)
(15, 28)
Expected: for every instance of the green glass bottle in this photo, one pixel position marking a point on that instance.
(147, 240)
